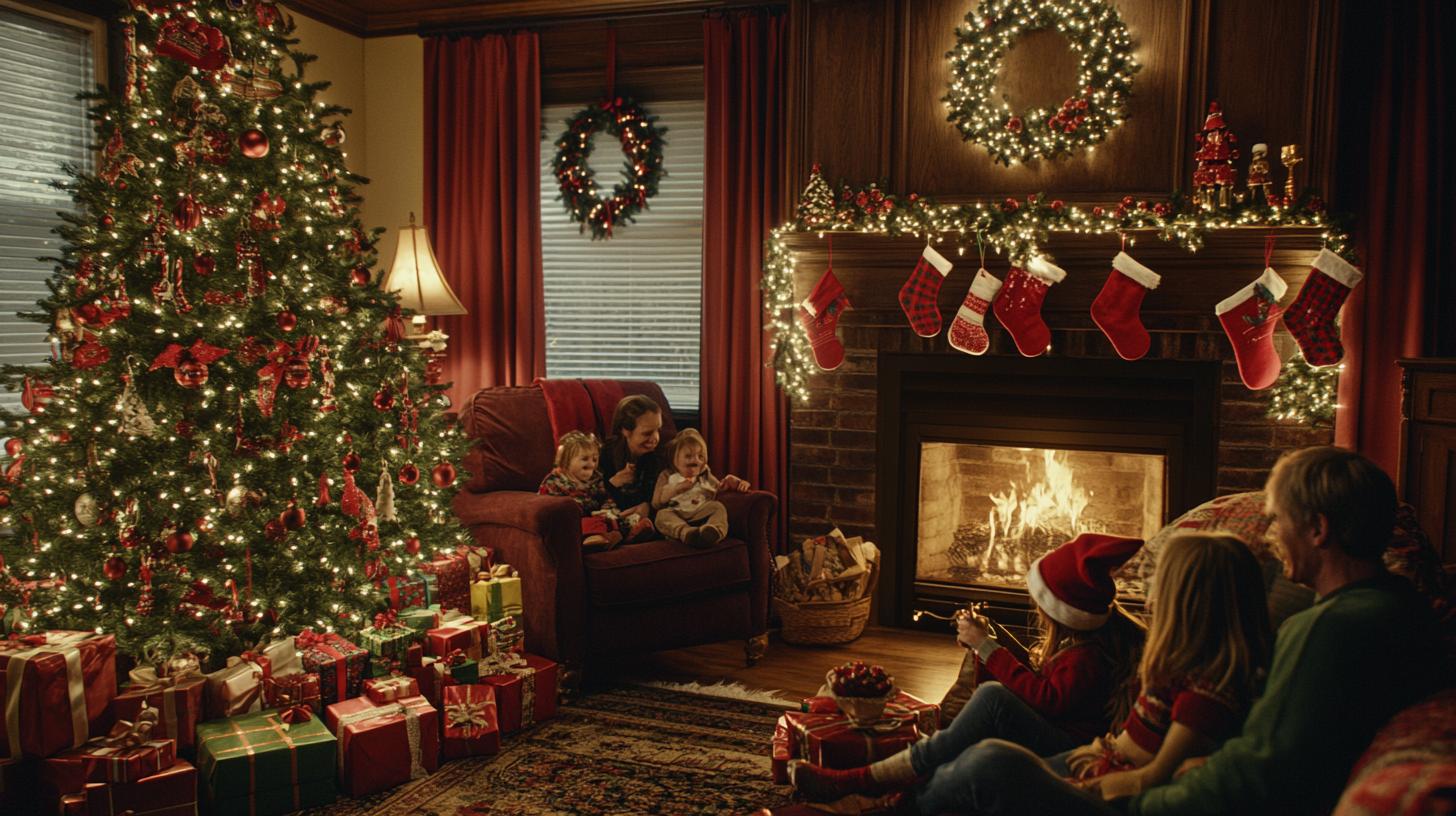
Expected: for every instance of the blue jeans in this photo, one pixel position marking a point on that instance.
(997, 778)
(994, 712)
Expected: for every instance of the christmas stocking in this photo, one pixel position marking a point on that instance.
(968, 331)
(1116, 309)
(1019, 306)
(819, 314)
(918, 295)
(1249, 317)
(1311, 317)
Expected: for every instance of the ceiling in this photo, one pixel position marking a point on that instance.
(383, 18)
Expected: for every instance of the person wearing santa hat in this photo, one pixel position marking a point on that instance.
(1082, 678)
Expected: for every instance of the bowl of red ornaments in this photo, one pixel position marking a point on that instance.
(861, 691)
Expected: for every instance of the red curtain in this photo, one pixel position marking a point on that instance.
(483, 204)
(1404, 228)
(745, 417)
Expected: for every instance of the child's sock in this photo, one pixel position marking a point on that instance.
(641, 529)
(894, 768)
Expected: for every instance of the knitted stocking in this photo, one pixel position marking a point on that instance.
(1019, 306)
(968, 330)
(918, 295)
(1116, 309)
(1311, 317)
(819, 314)
(1249, 317)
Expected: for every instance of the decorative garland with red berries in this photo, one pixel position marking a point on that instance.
(642, 171)
(1097, 35)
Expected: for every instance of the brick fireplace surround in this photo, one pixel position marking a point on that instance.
(833, 436)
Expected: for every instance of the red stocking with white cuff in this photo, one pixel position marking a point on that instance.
(968, 330)
(1311, 317)
(819, 315)
(1116, 308)
(1019, 305)
(1249, 317)
(918, 297)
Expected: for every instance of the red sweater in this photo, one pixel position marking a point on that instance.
(1071, 691)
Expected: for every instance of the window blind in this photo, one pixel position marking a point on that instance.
(629, 307)
(43, 64)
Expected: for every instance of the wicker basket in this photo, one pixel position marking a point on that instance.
(814, 623)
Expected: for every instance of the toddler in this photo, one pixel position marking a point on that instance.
(686, 493)
(575, 477)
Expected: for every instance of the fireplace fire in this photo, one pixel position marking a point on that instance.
(986, 512)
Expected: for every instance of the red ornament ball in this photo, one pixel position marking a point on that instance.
(1057, 206)
(204, 265)
(13, 446)
(297, 374)
(1127, 201)
(1162, 208)
(444, 474)
(1097, 211)
(384, 400)
(253, 143)
(107, 221)
(293, 518)
(1014, 124)
(275, 531)
(412, 545)
(186, 215)
(190, 373)
(409, 474)
(114, 568)
(179, 542)
(352, 462)
(287, 321)
(4, 500)
(360, 276)
(1009, 205)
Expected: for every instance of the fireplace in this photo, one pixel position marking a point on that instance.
(986, 463)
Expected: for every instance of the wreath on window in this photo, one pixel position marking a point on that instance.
(642, 166)
(1104, 78)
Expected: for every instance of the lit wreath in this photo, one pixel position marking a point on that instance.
(1105, 78)
(641, 145)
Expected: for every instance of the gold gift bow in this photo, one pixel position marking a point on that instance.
(130, 735)
(467, 715)
(146, 680)
(67, 645)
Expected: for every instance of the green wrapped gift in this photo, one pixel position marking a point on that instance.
(462, 669)
(258, 764)
(421, 619)
(390, 641)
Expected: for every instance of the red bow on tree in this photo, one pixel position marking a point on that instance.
(279, 359)
(175, 355)
(388, 620)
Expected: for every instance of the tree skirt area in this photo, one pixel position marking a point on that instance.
(615, 750)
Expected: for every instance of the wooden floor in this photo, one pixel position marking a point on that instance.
(923, 664)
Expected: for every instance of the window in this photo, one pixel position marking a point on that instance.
(629, 307)
(44, 61)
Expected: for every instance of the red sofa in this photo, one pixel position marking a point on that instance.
(634, 598)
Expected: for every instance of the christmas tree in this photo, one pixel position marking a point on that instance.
(233, 441)
(816, 205)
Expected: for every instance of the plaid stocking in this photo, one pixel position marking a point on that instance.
(1311, 317)
(1116, 309)
(1019, 306)
(918, 295)
(968, 330)
(1249, 317)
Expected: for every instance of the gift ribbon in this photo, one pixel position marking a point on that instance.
(393, 689)
(250, 747)
(75, 688)
(411, 725)
(146, 680)
(388, 620)
(467, 715)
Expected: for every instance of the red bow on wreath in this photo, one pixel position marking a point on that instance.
(280, 359)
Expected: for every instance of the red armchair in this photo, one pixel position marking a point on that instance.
(634, 598)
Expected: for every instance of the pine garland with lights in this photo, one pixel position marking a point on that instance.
(641, 171)
(226, 375)
(1305, 393)
(1104, 79)
(1016, 228)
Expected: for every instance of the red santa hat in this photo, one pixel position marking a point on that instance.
(1073, 583)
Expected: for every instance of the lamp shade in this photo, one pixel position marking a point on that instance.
(416, 276)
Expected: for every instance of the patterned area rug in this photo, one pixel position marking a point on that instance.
(621, 750)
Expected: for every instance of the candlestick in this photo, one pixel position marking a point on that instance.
(1290, 156)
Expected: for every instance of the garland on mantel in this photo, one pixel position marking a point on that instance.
(1018, 229)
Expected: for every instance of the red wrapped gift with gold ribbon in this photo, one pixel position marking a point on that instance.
(470, 721)
(830, 741)
(783, 751)
(126, 755)
(339, 664)
(292, 690)
(57, 688)
(381, 746)
(381, 690)
(173, 792)
(178, 696)
(926, 715)
(452, 580)
(470, 636)
(525, 688)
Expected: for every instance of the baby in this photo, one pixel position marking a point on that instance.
(686, 494)
(576, 478)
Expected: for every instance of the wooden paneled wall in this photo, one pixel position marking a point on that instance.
(868, 76)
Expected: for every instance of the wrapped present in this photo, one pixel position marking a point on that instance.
(381, 746)
(452, 580)
(496, 594)
(259, 764)
(470, 721)
(782, 752)
(458, 666)
(414, 657)
(509, 635)
(470, 636)
(480, 559)
(283, 656)
(173, 792)
(421, 619)
(408, 591)
(238, 687)
(904, 706)
(178, 696)
(57, 689)
(432, 681)
(107, 759)
(381, 668)
(294, 689)
(388, 637)
(387, 690)
(525, 688)
(340, 664)
(829, 740)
